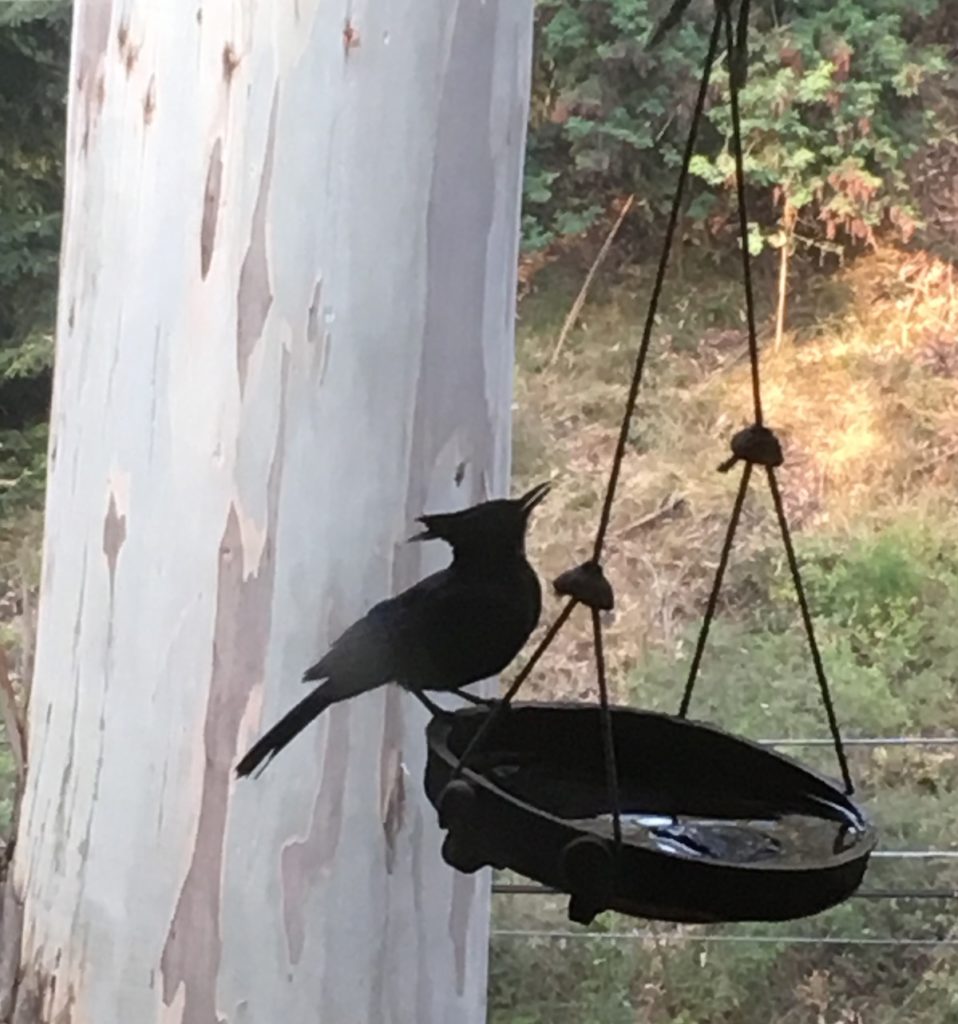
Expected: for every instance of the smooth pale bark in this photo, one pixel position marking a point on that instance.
(285, 330)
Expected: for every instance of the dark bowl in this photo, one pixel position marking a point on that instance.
(714, 827)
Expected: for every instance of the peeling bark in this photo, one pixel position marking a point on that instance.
(255, 297)
(239, 443)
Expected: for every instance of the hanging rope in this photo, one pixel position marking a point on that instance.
(733, 75)
(756, 445)
(497, 709)
(810, 631)
(623, 438)
(608, 734)
(716, 587)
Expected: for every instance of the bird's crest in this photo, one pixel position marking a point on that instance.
(450, 526)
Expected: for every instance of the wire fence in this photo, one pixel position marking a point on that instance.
(682, 935)
(676, 937)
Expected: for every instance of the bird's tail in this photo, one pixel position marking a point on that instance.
(285, 730)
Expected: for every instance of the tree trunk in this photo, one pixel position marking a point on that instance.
(285, 329)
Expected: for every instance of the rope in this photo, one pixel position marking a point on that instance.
(716, 587)
(810, 630)
(500, 706)
(741, 43)
(608, 735)
(757, 445)
(656, 292)
(733, 75)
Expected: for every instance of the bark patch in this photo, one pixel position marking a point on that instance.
(191, 954)
(255, 297)
(304, 860)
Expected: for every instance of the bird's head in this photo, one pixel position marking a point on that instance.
(487, 529)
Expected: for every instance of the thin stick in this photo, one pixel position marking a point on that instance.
(13, 723)
(586, 284)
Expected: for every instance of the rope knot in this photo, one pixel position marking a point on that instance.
(756, 445)
(587, 584)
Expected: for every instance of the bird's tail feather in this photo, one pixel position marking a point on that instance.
(284, 731)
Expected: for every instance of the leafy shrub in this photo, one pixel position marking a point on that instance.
(835, 106)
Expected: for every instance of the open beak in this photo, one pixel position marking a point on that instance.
(426, 534)
(530, 499)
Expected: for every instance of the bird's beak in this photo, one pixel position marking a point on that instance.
(426, 534)
(530, 499)
(433, 528)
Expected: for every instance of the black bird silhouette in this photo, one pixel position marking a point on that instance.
(459, 625)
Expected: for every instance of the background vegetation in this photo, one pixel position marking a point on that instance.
(850, 126)
(34, 54)
(851, 130)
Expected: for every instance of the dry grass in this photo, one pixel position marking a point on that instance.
(864, 395)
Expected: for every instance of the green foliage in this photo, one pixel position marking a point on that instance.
(835, 105)
(831, 114)
(886, 617)
(34, 57)
(606, 113)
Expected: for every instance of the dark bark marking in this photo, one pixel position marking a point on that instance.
(149, 101)
(129, 53)
(317, 336)
(351, 38)
(211, 206)
(114, 535)
(392, 788)
(231, 61)
(92, 41)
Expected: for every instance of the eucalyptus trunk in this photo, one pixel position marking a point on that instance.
(285, 329)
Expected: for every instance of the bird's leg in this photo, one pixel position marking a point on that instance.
(434, 709)
(482, 702)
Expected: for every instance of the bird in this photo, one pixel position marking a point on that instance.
(459, 625)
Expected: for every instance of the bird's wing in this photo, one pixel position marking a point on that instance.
(440, 634)
(373, 645)
(453, 632)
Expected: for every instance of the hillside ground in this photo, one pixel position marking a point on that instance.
(863, 393)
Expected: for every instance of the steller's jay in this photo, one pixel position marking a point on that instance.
(459, 625)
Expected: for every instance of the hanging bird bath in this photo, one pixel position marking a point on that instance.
(714, 828)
